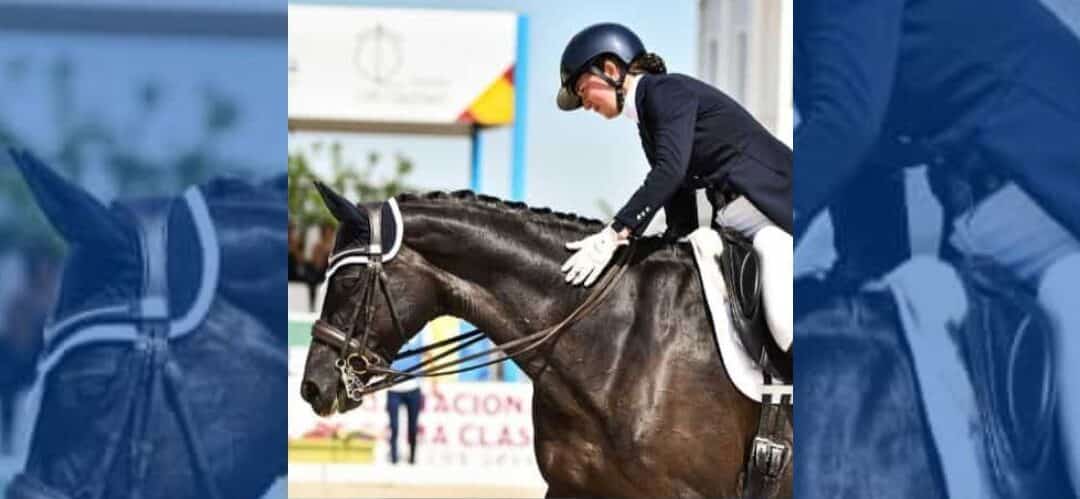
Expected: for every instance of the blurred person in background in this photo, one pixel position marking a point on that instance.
(409, 395)
(694, 136)
(296, 252)
(320, 253)
(312, 270)
(21, 335)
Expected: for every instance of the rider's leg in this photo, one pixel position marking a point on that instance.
(1057, 295)
(774, 247)
(775, 251)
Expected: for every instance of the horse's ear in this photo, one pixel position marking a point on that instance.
(73, 212)
(342, 209)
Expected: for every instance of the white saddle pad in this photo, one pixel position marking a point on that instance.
(930, 298)
(741, 368)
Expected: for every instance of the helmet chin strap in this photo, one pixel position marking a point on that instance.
(620, 95)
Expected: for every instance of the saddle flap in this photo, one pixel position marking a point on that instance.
(1006, 341)
(741, 268)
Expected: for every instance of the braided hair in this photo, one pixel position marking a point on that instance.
(648, 63)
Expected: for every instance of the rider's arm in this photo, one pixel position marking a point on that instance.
(848, 49)
(671, 109)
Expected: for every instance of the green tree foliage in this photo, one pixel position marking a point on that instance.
(306, 208)
(82, 137)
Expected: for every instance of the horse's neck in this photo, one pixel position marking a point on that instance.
(508, 289)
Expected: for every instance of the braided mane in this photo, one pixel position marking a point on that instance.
(470, 198)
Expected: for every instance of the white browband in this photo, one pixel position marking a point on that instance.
(360, 256)
(119, 323)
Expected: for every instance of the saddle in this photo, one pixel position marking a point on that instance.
(741, 269)
(1006, 345)
(770, 452)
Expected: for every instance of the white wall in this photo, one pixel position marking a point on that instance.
(745, 51)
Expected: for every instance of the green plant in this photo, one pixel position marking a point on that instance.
(306, 209)
(79, 137)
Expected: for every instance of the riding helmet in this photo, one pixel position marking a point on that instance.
(582, 51)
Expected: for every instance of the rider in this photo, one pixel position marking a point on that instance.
(993, 81)
(694, 137)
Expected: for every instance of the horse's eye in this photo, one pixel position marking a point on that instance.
(347, 282)
(88, 380)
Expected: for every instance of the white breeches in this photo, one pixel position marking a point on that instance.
(776, 253)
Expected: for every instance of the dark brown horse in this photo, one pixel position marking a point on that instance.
(632, 400)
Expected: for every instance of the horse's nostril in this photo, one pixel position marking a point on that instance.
(309, 391)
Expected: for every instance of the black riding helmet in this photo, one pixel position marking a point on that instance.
(581, 53)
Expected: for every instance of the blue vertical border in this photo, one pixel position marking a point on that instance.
(476, 183)
(521, 92)
(476, 169)
(511, 372)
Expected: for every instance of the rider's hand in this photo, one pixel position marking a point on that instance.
(592, 255)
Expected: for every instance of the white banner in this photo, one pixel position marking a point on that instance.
(463, 425)
(364, 64)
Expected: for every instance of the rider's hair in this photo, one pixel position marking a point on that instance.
(645, 63)
(648, 63)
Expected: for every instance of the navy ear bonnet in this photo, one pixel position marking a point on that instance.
(355, 244)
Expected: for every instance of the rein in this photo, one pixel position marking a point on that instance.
(373, 363)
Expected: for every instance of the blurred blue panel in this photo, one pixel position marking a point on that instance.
(170, 117)
(937, 199)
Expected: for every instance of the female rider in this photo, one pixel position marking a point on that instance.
(694, 137)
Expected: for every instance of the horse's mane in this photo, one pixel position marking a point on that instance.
(574, 225)
(230, 187)
(546, 216)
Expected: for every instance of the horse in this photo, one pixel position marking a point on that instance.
(166, 350)
(863, 430)
(630, 399)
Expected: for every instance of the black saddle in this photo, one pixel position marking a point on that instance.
(1006, 344)
(741, 269)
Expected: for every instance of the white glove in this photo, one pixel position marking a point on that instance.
(592, 256)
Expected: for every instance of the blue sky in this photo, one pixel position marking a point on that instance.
(573, 159)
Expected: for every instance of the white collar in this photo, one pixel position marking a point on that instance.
(630, 99)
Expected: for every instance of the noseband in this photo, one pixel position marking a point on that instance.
(359, 356)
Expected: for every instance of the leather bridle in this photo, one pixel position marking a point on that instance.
(358, 357)
(149, 327)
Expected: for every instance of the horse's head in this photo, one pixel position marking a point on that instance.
(153, 350)
(371, 277)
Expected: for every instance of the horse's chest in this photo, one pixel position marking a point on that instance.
(577, 456)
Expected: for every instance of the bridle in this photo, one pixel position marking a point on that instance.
(149, 327)
(358, 357)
